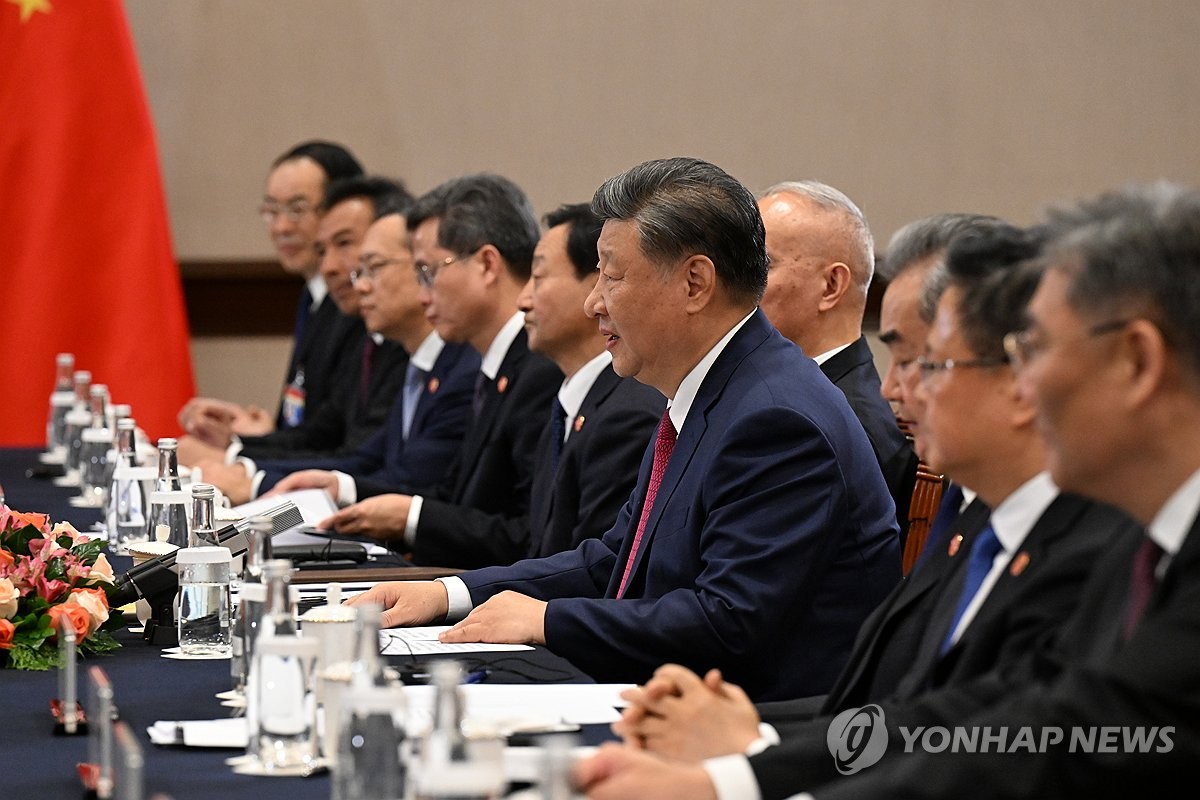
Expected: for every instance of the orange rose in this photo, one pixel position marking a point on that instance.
(94, 602)
(77, 614)
(6, 634)
(22, 518)
(6, 559)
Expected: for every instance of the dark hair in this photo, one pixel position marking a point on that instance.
(993, 270)
(1135, 252)
(386, 196)
(582, 236)
(482, 209)
(334, 160)
(685, 206)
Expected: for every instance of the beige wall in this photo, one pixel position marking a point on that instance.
(910, 106)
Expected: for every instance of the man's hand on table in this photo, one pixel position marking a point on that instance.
(407, 602)
(506, 618)
(382, 517)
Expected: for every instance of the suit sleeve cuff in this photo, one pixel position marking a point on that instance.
(732, 778)
(347, 490)
(459, 597)
(414, 518)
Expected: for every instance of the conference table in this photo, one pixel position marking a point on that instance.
(148, 687)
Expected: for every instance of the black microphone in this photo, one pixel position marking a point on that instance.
(155, 577)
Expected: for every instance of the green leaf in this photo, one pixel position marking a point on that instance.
(39, 658)
(100, 642)
(88, 551)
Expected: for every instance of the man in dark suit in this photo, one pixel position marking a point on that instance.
(425, 427)
(822, 259)
(367, 379)
(760, 529)
(294, 192)
(599, 422)
(473, 241)
(1111, 361)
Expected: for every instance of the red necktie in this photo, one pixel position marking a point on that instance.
(664, 445)
(1141, 584)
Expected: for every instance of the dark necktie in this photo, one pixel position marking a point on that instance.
(1141, 584)
(481, 384)
(664, 445)
(364, 382)
(558, 431)
(983, 553)
(414, 379)
(303, 312)
(947, 515)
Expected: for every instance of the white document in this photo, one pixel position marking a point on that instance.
(229, 733)
(423, 641)
(515, 708)
(314, 505)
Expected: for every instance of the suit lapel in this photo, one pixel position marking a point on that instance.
(600, 389)
(745, 341)
(495, 393)
(843, 363)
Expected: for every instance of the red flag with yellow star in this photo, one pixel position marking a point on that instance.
(86, 263)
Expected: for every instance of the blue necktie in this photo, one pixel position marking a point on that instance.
(947, 515)
(414, 378)
(558, 431)
(983, 553)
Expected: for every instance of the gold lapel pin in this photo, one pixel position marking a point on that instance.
(434, 383)
(579, 423)
(502, 384)
(1019, 563)
(955, 543)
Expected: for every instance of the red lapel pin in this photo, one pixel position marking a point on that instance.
(1019, 563)
(502, 384)
(434, 383)
(955, 543)
(579, 423)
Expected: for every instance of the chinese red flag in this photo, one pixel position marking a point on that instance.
(86, 264)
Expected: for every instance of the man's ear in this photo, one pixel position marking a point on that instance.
(837, 280)
(701, 276)
(494, 265)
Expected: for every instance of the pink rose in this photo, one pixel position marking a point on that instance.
(102, 570)
(94, 602)
(9, 598)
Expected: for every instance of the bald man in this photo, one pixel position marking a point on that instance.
(822, 259)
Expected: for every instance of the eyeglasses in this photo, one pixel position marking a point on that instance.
(427, 273)
(369, 271)
(1022, 347)
(930, 368)
(294, 210)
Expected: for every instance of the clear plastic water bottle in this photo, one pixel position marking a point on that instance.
(128, 515)
(169, 503)
(451, 766)
(278, 619)
(252, 598)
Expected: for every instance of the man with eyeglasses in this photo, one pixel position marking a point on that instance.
(294, 191)
(365, 384)
(473, 240)
(999, 591)
(429, 416)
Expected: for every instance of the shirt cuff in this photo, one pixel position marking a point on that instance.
(767, 737)
(231, 452)
(414, 517)
(247, 464)
(732, 778)
(256, 479)
(459, 597)
(347, 491)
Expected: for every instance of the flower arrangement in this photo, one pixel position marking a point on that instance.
(48, 574)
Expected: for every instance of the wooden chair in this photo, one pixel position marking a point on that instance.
(926, 496)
